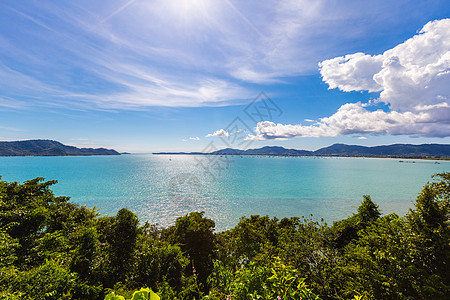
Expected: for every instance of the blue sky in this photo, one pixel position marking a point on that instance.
(144, 76)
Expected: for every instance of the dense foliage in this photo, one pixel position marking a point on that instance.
(51, 248)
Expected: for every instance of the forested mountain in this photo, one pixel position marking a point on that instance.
(48, 148)
(396, 150)
(424, 150)
(268, 150)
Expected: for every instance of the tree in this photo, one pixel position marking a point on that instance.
(368, 211)
(248, 239)
(123, 242)
(378, 264)
(346, 230)
(430, 236)
(157, 261)
(195, 235)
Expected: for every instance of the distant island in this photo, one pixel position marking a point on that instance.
(48, 148)
(435, 151)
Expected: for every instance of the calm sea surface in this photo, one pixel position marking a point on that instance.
(161, 188)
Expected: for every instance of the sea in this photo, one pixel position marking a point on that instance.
(160, 188)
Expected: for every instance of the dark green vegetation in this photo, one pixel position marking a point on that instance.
(396, 150)
(51, 248)
(48, 148)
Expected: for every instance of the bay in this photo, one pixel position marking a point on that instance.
(160, 188)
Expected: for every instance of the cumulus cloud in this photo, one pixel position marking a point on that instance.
(412, 78)
(220, 132)
(353, 72)
(416, 72)
(354, 118)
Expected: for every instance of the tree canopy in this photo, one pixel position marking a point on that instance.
(51, 248)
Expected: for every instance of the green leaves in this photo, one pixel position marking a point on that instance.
(122, 239)
(8, 247)
(113, 296)
(53, 249)
(142, 294)
(195, 235)
(49, 281)
(403, 258)
(145, 294)
(261, 282)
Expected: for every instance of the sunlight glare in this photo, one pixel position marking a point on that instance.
(190, 11)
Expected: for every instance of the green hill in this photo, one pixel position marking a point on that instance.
(48, 148)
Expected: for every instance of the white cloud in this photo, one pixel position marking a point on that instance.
(353, 72)
(354, 118)
(414, 73)
(220, 132)
(429, 107)
(191, 53)
(113, 58)
(191, 139)
(8, 103)
(296, 34)
(413, 78)
(362, 138)
(10, 128)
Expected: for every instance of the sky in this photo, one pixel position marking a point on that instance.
(195, 75)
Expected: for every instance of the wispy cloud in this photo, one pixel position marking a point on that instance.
(196, 138)
(8, 103)
(243, 17)
(124, 54)
(117, 11)
(10, 128)
(129, 72)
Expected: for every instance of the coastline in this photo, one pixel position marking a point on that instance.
(314, 155)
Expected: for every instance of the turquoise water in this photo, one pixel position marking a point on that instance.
(161, 188)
